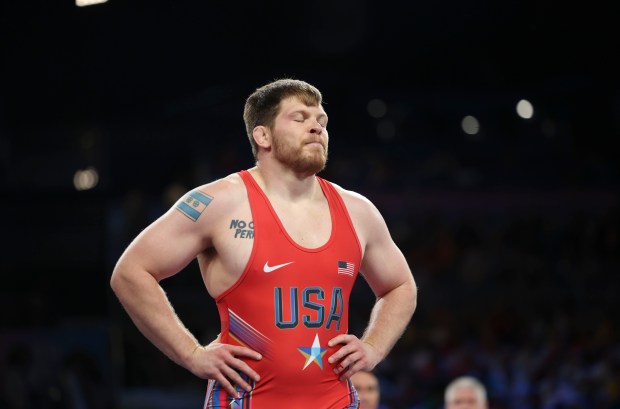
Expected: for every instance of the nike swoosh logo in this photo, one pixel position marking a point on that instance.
(268, 269)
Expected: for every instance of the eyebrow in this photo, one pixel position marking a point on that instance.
(305, 111)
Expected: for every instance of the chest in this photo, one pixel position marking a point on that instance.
(315, 235)
(307, 225)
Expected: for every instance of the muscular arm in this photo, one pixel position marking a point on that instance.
(163, 249)
(388, 274)
(385, 269)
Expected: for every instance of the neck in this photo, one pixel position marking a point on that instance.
(279, 181)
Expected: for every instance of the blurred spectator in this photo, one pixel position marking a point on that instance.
(465, 392)
(367, 386)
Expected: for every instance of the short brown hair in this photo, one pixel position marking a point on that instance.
(261, 107)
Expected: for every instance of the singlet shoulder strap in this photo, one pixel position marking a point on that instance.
(246, 177)
(338, 207)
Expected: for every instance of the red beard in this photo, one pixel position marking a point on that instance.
(302, 159)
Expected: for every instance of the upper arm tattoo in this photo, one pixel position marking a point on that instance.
(193, 204)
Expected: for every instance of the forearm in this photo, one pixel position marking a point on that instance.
(149, 308)
(389, 318)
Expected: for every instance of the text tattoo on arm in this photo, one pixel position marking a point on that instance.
(242, 229)
(193, 204)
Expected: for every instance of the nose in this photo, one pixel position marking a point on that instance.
(317, 128)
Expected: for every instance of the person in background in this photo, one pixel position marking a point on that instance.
(465, 392)
(367, 386)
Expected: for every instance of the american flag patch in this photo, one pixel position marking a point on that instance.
(344, 267)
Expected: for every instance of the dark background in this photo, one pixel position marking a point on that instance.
(512, 233)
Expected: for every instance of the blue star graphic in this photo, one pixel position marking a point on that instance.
(314, 353)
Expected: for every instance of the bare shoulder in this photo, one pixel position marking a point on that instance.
(366, 218)
(229, 188)
(357, 204)
(220, 197)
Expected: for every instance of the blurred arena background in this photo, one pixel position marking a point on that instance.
(486, 133)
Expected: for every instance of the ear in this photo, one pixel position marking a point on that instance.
(262, 136)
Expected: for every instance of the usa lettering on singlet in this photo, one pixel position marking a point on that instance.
(287, 304)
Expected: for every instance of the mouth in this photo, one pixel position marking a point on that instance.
(315, 143)
(317, 148)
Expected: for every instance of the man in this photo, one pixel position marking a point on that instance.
(366, 384)
(279, 249)
(465, 392)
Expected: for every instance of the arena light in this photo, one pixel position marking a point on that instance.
(82, 3)
(85, 179)
(525, 109)
(376, 108)
(470, 125)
